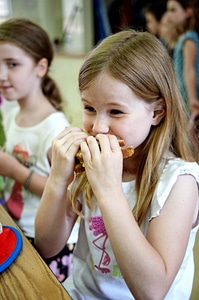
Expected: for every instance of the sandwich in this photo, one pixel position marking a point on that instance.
(127, 151)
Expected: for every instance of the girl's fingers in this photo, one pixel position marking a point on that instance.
(108, 142)
(69, 137)
(96, 150)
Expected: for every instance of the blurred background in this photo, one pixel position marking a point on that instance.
(75, 27)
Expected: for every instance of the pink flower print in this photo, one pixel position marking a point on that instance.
(99, 230)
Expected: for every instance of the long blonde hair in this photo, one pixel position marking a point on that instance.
(140, 61)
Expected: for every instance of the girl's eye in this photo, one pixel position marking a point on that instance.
(116, 112)
(89, 108)
(12, 65)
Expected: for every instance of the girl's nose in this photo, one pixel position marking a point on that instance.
(100, 125)
(3, 74)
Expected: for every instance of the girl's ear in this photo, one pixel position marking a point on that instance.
(159, 111)
(42, 67)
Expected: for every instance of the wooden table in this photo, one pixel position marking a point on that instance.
(28, 277)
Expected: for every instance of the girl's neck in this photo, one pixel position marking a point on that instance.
(127, 177)
(129, 170)
(130, 166)
(32, 113)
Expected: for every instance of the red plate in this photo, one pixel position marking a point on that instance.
(10, 246)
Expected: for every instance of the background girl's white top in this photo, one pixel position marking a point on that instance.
(35, 141)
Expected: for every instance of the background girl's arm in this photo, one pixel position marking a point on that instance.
(11, 167)
(190, 76)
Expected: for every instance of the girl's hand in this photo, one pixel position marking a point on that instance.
(103, 164)
(64, 148)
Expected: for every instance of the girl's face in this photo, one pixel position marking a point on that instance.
(110, 107)
(18, 72)
(153, 25)
(168, 30)
(177, 14)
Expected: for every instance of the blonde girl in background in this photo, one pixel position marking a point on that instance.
(139, 214)
(25, 58)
